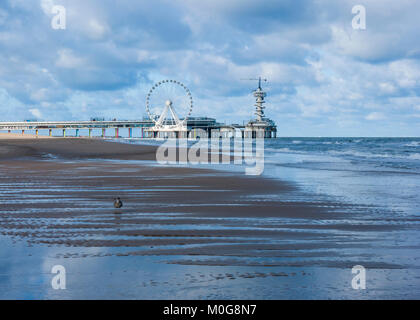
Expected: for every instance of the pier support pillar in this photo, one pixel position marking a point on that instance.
(50, 133)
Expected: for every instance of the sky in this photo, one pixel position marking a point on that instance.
(325, 78)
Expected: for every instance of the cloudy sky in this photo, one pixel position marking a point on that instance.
(324, 77)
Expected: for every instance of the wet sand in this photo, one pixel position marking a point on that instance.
(58, 193)
(71, 148)
(197, 212)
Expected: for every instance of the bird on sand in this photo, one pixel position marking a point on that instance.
(118, 203)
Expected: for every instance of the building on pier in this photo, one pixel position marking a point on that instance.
(261, 126)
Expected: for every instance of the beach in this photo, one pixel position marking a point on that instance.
(210, 233)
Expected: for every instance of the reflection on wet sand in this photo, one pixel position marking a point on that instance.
(195, 219)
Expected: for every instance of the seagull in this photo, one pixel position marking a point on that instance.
(118, 203)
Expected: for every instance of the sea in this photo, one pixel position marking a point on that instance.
(382, 172)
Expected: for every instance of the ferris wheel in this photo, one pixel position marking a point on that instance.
(169, 104)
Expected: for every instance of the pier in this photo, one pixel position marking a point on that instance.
(126, 128)
(118, 126)
(158, 126)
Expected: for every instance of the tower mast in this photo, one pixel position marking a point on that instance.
(259, 94)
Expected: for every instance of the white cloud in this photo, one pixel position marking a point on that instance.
(143, 55)
(374, 116)
(96, 29)
(47, 6)
(36, 113)
(387, 88)
(67, 59)
(406, 73)
(39, 95)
